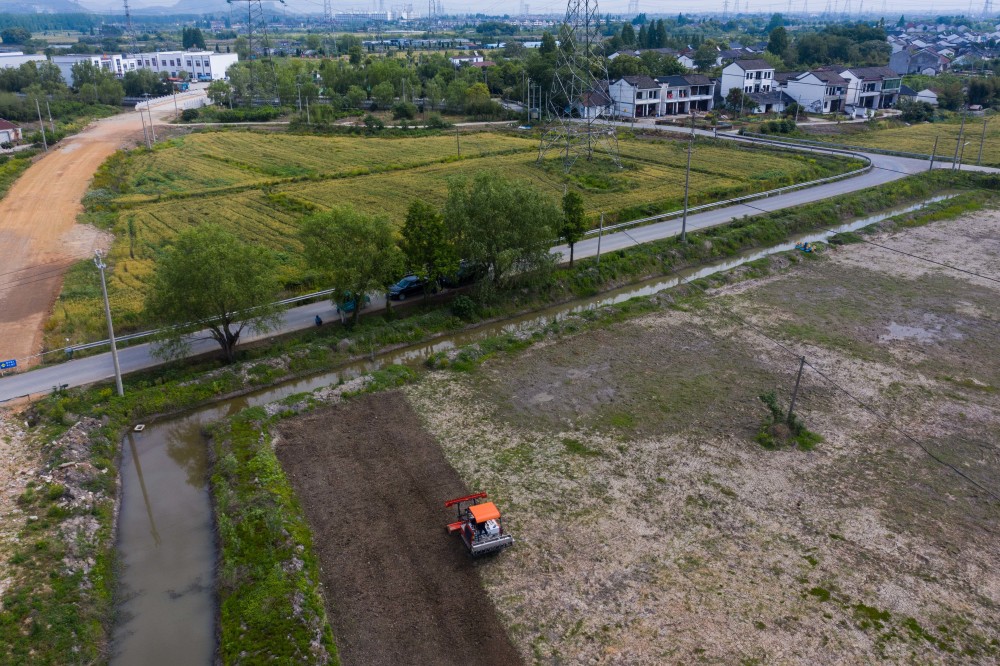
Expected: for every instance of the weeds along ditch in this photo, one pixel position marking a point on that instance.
(259, 186)
(36, 617)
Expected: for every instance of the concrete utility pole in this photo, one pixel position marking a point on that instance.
(958, 142)
(99, 262)
(687, 183)
(600, 233)
(933, 154)
(145, 134)
(52, 123)
(41, 126)
(982, 140)
(795, 392)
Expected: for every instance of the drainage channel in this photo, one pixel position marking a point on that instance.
(166, 538)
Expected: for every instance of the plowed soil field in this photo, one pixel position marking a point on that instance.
(399, 590)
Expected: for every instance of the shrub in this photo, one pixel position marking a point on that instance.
(187, 115)
(463, 307)
(404, 111)
(373, 124)
(435, 121)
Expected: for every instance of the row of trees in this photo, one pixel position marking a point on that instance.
(504, 227)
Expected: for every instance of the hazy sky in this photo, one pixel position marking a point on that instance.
(892, 7)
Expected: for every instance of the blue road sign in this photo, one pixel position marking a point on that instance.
(7, 365)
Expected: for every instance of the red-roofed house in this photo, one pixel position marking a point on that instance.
(9, 132)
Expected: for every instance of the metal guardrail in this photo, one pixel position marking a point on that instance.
(737, 200)
(843, 146)
(147, 334)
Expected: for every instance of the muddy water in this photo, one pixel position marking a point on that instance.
(166, 537)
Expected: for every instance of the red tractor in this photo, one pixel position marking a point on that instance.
(479, 524)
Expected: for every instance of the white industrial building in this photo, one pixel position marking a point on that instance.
(115, 63)
(200, 65)
(17, 58)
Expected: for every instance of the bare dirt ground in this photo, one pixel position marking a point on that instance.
(17, 466)
(399, 590)
(653, 529)
(38, 230)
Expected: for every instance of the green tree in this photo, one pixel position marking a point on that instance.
(210, 279)
(384, 94)
(574, 221)
(15, 35)
(477, 100)
(192, 38)
(777, 42)
(355, 97)
(739, 102)
(352, 251)
(428, 245)
(503, 225)
(628, 35)
(705, 57)
(220, 92)
(548, 45)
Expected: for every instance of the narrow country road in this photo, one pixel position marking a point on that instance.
(39, 237)
(97, 368)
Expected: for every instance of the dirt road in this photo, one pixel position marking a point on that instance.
(39, 237)
(399, 590)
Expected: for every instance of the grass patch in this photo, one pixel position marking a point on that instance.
(270, 604)
(578, 448)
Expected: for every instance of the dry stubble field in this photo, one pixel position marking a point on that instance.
(653, 529)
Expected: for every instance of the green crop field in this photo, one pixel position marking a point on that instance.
(261, 184)
(919, 138)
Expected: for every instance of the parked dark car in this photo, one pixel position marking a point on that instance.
(346, 303)
(467, 273)
(411, 285)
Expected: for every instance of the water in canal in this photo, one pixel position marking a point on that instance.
(166, 538)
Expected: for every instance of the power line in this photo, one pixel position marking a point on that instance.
(878, 415)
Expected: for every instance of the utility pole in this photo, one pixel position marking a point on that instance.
(933, 154)
(308, 119)
(982, 140)
(795, 392)
(52, 123)
(99, 261)
(41, 125)
(298, 85)
(600, 234)
(958, 142)
(145, 134)
(687, 183)
(458, 142)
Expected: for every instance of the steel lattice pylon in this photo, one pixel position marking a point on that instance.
(130, 46)
(263, 84)
(580, 83)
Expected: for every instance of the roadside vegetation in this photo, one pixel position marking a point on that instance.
(11, 167)
(270, 601)
(261, 185)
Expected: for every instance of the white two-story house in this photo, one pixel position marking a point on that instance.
(818, 91)
(872, 87)
(751, 76)
(685, 93)
(635, 97)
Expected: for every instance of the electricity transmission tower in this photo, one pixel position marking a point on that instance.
(329, 37)
(633, 7)
(263, 82)
(987, 7)
(130, 46)
(580, 84)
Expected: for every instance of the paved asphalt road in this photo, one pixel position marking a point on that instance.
(96, 368)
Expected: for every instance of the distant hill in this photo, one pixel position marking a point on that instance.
(42, 7)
